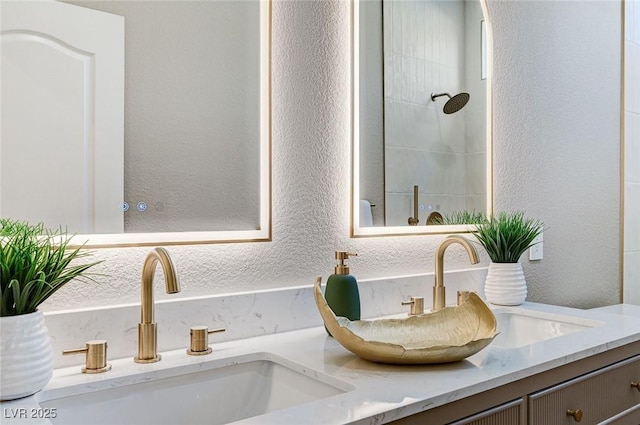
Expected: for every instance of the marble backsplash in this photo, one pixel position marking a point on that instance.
(243, 315)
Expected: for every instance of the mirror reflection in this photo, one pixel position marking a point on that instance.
(421, 145)
(183, 145)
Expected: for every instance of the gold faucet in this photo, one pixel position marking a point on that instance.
(147, 328)
(438, 288)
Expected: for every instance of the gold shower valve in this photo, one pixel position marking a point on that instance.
(96, 356)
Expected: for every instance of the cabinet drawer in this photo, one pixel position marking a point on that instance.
(512, 413)
(598, 395)
(628, 417)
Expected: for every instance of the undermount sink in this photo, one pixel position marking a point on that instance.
(238, 388)
(524, 327)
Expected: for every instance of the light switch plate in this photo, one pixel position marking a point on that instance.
(535, 252)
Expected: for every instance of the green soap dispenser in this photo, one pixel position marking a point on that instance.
(342, 290)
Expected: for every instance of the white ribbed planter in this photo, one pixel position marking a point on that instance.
(505, 284)
(26, 358)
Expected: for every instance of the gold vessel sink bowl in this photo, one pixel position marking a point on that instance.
(447, 335)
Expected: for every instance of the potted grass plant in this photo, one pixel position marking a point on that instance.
(35, 262)
(464, 217)
(506, 237)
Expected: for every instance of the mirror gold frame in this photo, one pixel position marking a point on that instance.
(262, 233)
(356, 229)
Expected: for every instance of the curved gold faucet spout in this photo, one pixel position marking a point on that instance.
(439, 299)
(147, 328)
(155, 256)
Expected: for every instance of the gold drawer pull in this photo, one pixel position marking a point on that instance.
(576, 414)
(635, 385)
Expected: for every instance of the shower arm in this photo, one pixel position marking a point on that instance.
(435, 96)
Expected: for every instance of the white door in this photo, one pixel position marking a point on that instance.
(62, 116)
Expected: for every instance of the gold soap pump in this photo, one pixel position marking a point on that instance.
(341, 268)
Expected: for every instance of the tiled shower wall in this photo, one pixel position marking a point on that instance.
(433, 47)
(632, 154)
(475, 112)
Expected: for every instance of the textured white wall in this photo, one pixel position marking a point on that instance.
(559, 164)
(557, 140)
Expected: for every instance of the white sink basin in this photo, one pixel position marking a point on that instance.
(523, 327)
(216, 393)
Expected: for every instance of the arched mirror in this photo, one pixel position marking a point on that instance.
(421, 116)
(138, 122)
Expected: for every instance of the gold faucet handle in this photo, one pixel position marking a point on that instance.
(417, 305)
(200, 340)
(462, 296)
(96, 356)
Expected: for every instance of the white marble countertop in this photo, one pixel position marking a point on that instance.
(624, 309)
(381, 393)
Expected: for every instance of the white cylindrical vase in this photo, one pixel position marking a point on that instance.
(26, 357)
(505, 284)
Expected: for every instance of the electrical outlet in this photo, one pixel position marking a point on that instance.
(535, 252)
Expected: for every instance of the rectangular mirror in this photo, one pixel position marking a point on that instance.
(138, 122)
(422, 132)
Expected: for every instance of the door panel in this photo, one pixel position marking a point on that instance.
(62, 94)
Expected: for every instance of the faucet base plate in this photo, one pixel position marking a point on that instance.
(152, 360)
(199, 353)
(107, 368)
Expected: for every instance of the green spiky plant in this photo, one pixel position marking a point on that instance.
(464, 217)
(35, 262)
(507, 236)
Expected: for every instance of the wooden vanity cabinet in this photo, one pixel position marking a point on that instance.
(592, 398)
(600, 387)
